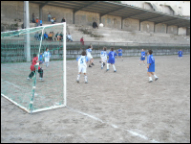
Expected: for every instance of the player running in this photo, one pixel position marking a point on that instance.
(88, 52)
(103, 56)
(180, 53)
(111, 60)
(120, 51)
(82, 67)
(142, 56)
(151, 66)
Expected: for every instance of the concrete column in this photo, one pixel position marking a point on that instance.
(154, 27)
(74, 17)
(99, 18)
(27, 36)
(139, 26)
(166, 28)
(121, 23)
(40, 13)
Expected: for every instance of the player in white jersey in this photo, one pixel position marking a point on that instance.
(82, 67)
(103, 56)
(47, 56)
(90, 57)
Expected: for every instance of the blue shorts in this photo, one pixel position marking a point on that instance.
(111, 61)
(142, 58)
(179, 55)
(119, 54)
(151, 68)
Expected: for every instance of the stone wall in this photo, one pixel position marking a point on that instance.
(111, 21)
(182, 31)
(160, 28)
(172, 30)
(147, 26)
(86, 18)
(131, 24)
(58, 13)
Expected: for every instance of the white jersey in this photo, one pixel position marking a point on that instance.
(88, 52)
(103, 54)
(47, 56)
(82, 61)
(82, 64)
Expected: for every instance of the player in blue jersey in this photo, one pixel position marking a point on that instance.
(82, 67)
(151, 66)
(120, 51)
(180, 53)
(40, 59)
(90, 57)
(47, 56)
(103, 56)
(143, 54)
(111, 60)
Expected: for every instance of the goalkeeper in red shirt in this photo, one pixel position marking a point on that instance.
(32, 68)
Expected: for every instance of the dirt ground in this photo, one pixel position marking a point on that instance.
(113, 107)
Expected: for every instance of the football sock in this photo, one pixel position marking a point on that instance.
(102, 64)
(107, 66)
(114, 68)
(78, 76)
(86, 78)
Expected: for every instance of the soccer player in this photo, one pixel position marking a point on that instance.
(47, 56)
(120, 53)
(111, 60)
(143, 56)
(82, 66)
(180, 53)
(103, 56)
(40, 59)
(32, 68)
(151, 66)
(88, 52)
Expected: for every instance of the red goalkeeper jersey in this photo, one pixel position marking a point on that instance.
(34, 61)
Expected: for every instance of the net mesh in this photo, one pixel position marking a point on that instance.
(35, 93)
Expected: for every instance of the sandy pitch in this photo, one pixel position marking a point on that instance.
(112, 107)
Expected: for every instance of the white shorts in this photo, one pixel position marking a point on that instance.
(89, 56)
(46, 59)
(82, 69)
(104, 59)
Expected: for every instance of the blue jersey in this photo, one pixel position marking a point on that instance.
(180, 53)
(151, 61)
(103, 54)
(41, 58)
(120, 51)
(143, 54)
(112, 55)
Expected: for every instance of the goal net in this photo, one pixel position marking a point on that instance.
(42, 87)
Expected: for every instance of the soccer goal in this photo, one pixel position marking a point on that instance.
(18, 47)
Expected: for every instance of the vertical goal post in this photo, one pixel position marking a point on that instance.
(28, 99)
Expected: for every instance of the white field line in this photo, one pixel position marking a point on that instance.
(113, 125)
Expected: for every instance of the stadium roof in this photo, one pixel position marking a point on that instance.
(122, 10)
